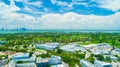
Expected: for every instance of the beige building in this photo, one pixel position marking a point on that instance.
(115, 64)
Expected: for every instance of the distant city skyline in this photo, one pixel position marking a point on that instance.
(60, 14)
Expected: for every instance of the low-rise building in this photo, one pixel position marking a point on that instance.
(42, 62)
(102, 48)
(115, 64)
(115, 52)
(85, 63)
(19, 56)
(58, 65)
(22, 60)
(23, 57)
(114, 58)
(11, 64)
(54, 61)
(2, 62)
(47, 46)
(98, 63)
(72, 48)
(3, 42)
(26, 65)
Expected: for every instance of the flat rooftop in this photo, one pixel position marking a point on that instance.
(47, 45)
(41, 60)
(87, 63)
(20, 55)
(103, 63)
(26, 65)
(72, 48)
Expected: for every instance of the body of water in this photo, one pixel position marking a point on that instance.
(60, 31)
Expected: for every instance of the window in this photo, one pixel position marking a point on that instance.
(117, 66)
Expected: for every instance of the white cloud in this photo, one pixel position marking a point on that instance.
(31, 10)
(53, 1)
(80, 2)
(60, 3)
(9, 18)
(68, 5)
(109, 4)
(76, 21)
(21, 0)
(46, 10)
(63, 4)
(37, 3)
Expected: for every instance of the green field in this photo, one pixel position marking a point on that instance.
(24, 42)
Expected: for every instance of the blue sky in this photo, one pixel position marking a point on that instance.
(60, 14)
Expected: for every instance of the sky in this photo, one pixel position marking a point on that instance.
(60, 14)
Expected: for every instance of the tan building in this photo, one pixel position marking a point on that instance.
(115, 64)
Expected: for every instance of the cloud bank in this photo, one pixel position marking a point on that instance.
(10, 18)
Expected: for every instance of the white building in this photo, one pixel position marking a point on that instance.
(54, 61)
(11, 64)
(114, 58)
(72, 48)
(47, 46)
(85, 63)
(98, 63)
(23, 57)
(59, 65)
(115, 52)
(26, 65)
(102, 48)
(115, 64)
(19, 56)
(42, 62)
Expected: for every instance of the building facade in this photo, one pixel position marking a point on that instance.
(98, 63)
(85, 63)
